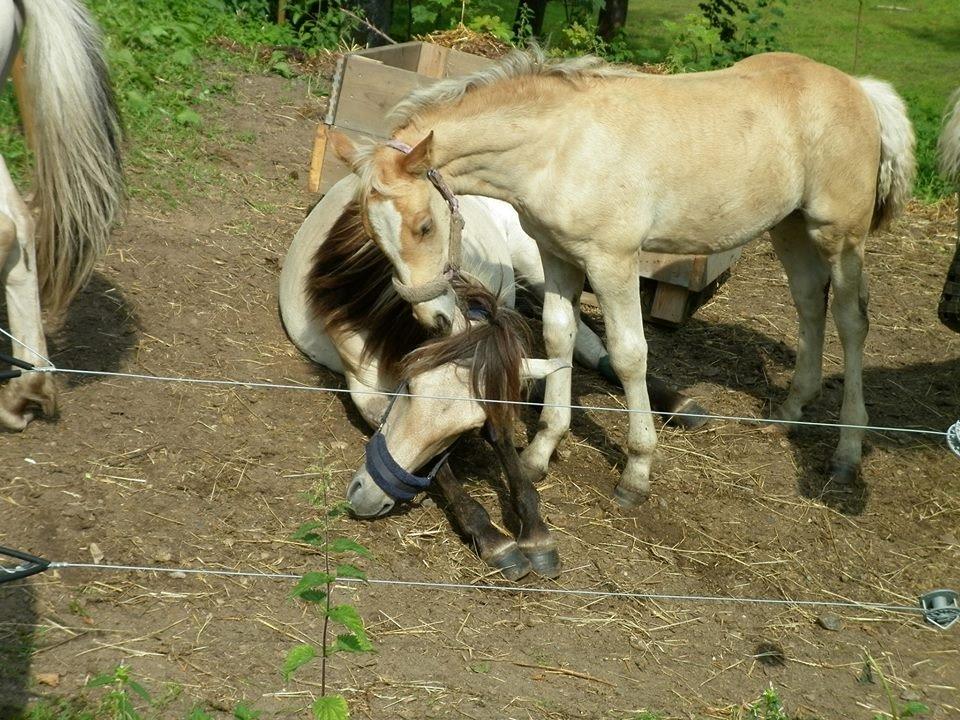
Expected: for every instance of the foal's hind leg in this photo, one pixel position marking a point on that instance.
(534, 538)
(18, 275)
(850, 298)
(494, 548)
(808, 273)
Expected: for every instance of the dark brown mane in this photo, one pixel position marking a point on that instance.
(349, 287)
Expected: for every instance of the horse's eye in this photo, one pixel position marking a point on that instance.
(426, 227)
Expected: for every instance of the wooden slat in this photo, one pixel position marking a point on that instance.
(717, 264)
(675, 269)
(433, 60)
(368, 91)
(461, 63)
(316, 158)
(403, 55)
(669, 303)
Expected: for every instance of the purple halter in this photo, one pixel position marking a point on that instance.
(387, 473)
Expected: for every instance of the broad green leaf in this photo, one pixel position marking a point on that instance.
(297, 658)
(138, 689)
(346, 570)
(343, 545)
(311, 581)
(347, 616)
(422, 14)
(198, 714)
(349, 642)
(101, 680)
(307, 529)
(331, 707)
(188, 117)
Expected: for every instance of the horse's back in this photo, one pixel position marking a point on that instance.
(723, 155)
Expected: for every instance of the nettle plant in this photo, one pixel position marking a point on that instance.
(315, 589)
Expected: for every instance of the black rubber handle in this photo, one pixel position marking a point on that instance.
(36, 565)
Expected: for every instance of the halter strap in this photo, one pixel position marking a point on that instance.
(438, 286)
(386, 472)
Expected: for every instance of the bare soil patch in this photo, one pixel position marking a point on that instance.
(194, 476)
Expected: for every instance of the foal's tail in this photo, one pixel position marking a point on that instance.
(948, 147)
(897, 164)
(79, 187)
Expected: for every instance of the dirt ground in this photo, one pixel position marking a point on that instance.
(150, 473)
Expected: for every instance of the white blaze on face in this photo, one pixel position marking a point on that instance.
(386, 222)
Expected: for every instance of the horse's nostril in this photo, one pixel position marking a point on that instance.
(442, 324)
(387, 504)
(353, 488)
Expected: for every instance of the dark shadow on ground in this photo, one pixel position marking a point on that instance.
(100, 332)
(18, 620)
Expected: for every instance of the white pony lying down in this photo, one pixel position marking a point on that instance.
(340, 308)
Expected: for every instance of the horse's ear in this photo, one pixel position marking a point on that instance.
(419, 160)
(343, 147)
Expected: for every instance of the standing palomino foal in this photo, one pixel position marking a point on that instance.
(601, 161)
(75, 135)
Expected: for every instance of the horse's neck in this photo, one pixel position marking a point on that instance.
(480, 154)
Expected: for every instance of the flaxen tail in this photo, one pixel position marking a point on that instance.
(79, 184)
(897, 163)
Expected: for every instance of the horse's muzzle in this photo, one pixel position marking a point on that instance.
(366, 498)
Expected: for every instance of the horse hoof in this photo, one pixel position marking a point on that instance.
(843, 474)
(511, 563)
(686, 421)
(546, 563)
(629, 499)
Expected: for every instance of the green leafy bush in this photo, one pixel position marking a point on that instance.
(723, 32)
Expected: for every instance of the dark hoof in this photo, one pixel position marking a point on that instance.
(842, 475)
(629, 499)
(692, 407)
(511, 563)
(546, 563)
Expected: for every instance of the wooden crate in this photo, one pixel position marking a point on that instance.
(368, 83)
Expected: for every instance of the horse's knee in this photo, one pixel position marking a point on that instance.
(628, 356)
(559, 328)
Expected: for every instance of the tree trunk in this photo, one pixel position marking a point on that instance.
(378, 13)
(535, 10)
(613, 16)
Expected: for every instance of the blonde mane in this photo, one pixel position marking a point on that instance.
(519, 63)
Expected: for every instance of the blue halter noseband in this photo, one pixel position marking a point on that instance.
(387, 473)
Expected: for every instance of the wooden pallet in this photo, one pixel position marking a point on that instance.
(368, 83)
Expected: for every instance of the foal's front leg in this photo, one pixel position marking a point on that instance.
(616, 283)
(563, 283)
(18, 275)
